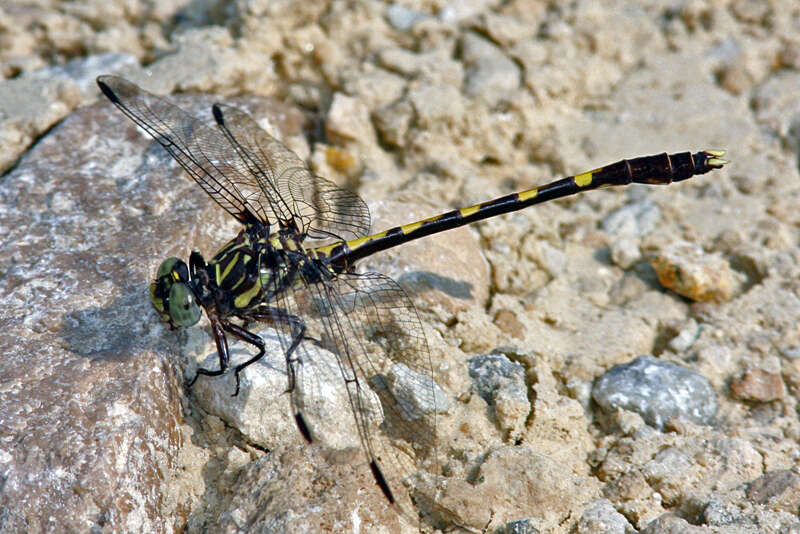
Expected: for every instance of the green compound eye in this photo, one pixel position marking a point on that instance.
(171, 297)
(183, 308)
(173, 264)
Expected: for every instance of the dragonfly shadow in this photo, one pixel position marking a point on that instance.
(421, 281)
(115, 332)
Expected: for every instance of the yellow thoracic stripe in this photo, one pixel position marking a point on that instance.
(228, 268)
(239, 282)
(243, 299)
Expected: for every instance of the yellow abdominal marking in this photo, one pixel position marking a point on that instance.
(529, 194)
(409, 228)
(354, 244)
(466, 212)
(582, 180)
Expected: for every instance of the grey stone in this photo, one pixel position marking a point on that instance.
(29, 106)
(657, 391)
(297, 489)
(457, 11)
(491, 372)
(718, 512)
(491, 75)
(532, 483)
(686, 337)
(92, 424)
(93, 433)
(519, 526)
(392, 122)
(417, 394)
(635, 219)
(436, 104)
(600, 517)
(625, 251)
(672, 524)
(202, 60)
(262, 410)
(780, 489)
(374, 87)
(501, 383)
(348, 119)
(83, 71)
(401, 17)
(436, 66)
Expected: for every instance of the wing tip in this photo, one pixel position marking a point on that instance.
(301, 425)
(381, 481)
(216, 110)
(106, 89)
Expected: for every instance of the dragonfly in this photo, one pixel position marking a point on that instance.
(292, 266)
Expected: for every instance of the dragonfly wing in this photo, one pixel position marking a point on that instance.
(321, 208)
(199, 146)
(382, 362)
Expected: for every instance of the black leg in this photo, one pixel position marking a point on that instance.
(222, 350)
(249, 337)
(263, 314)
(277, 315)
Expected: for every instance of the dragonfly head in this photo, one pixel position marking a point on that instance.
(171, 295)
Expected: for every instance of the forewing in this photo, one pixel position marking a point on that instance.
(201, 149)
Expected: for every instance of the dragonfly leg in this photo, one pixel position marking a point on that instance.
(249, 337)
(266, 314)
(222, 350)
(277, 315)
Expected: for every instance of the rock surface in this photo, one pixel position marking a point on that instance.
(420, 107)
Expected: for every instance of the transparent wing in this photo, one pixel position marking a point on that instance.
(249, 173)
(383, 363)
(321, 207)
(200, 148)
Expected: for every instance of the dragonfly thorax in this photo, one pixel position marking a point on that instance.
(252, 268)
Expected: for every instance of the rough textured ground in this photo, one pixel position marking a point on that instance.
(419, 107)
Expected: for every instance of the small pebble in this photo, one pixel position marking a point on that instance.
(401, 17)
(657, 391)
(501, 383)
(689, 271)
(634, 219)
(686, 337)
(758, 385)
(491, 75)
(506, 320)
